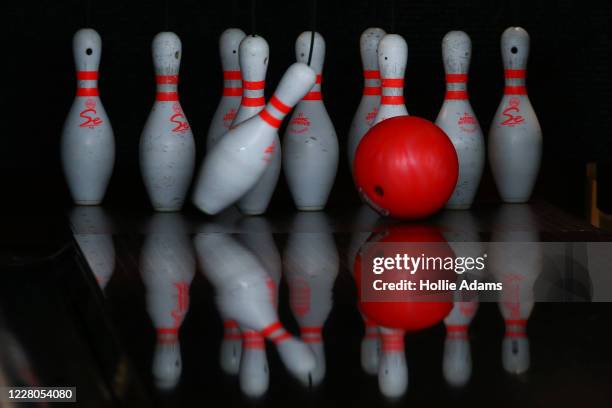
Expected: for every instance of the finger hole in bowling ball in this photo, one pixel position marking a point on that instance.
(514, 50)
(176, 55)
(89, 51)
(379, 190)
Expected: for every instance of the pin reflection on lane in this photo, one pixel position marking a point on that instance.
(311, 265)
(242, 288)
(92, 229)
(167, 266)
(517, 264)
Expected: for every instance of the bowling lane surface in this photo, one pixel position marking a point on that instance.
(157, 309)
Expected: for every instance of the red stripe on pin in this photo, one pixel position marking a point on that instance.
(279, 105)
(456, 78)
(87, 92)
(166, 79)
(166, 96)
(272, 121)
(392, 82)
(232, 75)
(515, 90)
(392, 100)
(456, 95)
(253, 85)
(312, 96)
(246, 101)
(232, 91)
(371, 90)
(515, 73)
(373, 74)
(87, 75)
(274, 326)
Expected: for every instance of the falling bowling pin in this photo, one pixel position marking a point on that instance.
(515, 138)
(237, 162)
(370, 101)
(167, 148)
(310, 144)
(232, 88)
(458, 121)
(87, 143)
(392, 60)
(254, 54)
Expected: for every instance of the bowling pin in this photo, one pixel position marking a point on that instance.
(311, 265)
(392, 60)
(92, 230)
(231, 347)
(254, 54)
(167, 148)
(515, 138)
(457, 357)
(242, 293)
(370, 101)
(232, 88)
(310, 144)
(393, 370)
(87, 143)
(237, 162)
(458, 121)
(167, 266)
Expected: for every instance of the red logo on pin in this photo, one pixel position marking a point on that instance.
(299, 124)
(371, 116)
(90, 121)
(511, 119)
(181, 125)
(229, 117)
(467, 123)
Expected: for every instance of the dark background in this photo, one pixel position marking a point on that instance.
(568, 78)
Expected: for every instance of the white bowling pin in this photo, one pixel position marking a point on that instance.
(515, 138)
(457, 358)
(167, 266)
(254, 374)
(87, 144)
(232, 88)
(516, 260)
(254, 55)
(231, 347)
(458, 121)
(310, 144)
(393, 370)
(237, 161)
(167, 148)
(392, 60)
(370, 101)
(311, 265)
(92, 230)
(242, 288)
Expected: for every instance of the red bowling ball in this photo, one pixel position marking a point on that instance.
(406, 167)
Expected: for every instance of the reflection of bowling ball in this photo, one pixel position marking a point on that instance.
(406, 167)
(406, 311)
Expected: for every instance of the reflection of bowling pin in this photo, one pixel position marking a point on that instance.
(516, 260)
(167, 266)
(393, 370)
(238, 160)
(458, 121)
(311, 266)
(364, 223)
(457, 359)
(231, 347)
(242, 289)
(93, 232)
(368, 107)
(167, 148)
(392, 59)
(254, 372)
(232, 89)
(515, 138)
(310, 145)
(88, 144)
(254, 55)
